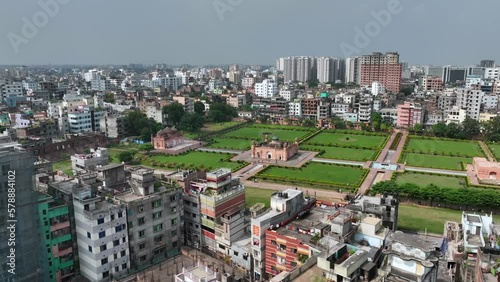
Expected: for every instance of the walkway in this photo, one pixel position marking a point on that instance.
(490, 157)
(330, 161)
(216, 150)
(437, 171)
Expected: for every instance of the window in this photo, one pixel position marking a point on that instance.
(156, 204)
(90, 249)
(103, 247)
(100, 221)
(140, 208)
(88, 235)
(174, 244)
(142, 233)
(141, 221)
(235, 253)
(124, 266)
(273, 242)
(142, 246)
(115, 256)
(116, 243)
(124, 239)
(143, 258)
(104, 261)
(120, 214)
(173, 233)
(118, 228)
(293, 263)
(294, 251)
(282, 247)
(158, 227)
(157, 215)
(273, 255)
(174, 221)
(158, 239)
(195, 205)
(105, 274)
(123, 253)
(113, 217)
(102, 234)
(117, 268)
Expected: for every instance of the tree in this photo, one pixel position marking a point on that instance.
(191, 122)
(418, 128)
(221, 112)
(313, 83)
(492, 129)
(125, 156)
(109, 98)
(247, 108)
(471, 128)
(339, 123)
(138, 124)
(174, 112)
(376, 120)
(454, 130)
(309, 122)
(407, 90)
(199, 107)
(146, 147)
(439, 129)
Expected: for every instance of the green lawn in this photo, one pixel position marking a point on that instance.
(256, 133)
(341, 153)
(64, 166)
(431, 161)
(214, 127)
(319, 173)
(418, 218)
(231, 143)
(445, 147)
(256, 195)
(207, 159)
(345, 139)
(495, 149)
(426, 179)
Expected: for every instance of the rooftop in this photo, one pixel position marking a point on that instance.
(425, 243)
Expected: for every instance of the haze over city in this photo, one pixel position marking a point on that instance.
(248, 32)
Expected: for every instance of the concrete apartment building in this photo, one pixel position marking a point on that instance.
(409, 114)
(266, 89)
(84, 119)
(102, 238)
(90, 162)
(330, 69)
(57, 233)
(470, 100)
(492, 73)
(113, 125)
(432, 83)
(300, 69)
(353, 70)
(154, 216)
(384, 68)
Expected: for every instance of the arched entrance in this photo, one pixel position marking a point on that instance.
(269, 155)
(493, 175)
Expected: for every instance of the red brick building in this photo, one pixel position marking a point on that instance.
(167, 138)
(384, 68)
(283, 253)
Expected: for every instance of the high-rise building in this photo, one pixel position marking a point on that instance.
(384, 68)
(487, 63)
(300, 69)
(353, 70)
(17, 171)
(492, 73)
(267, 89)
(330, 69)
(409, 114)
(470, 100)
(454, 74)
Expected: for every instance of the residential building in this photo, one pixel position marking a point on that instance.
(353, 70)
(30, 260)
(432, 83)
(410, 114)
(330, 69)
(271, 107)
(492, 73)
(102, 238)
(489, 102)
(385, 69)
(197, 273)
(113, 125)
(247, 82)
(172, 83)
(267, 89)
(364, 109)
(309, 107)
(89, 162)
(484, 117)
(222, 202)
(472, 80)
(295, 108)
(470, 100)
(187, 102)
(288, 94)
(11, 89)
(386, 208)
(155, 112)
(300, 69)
(377, 88)
(237, 101)
(154, 210)
(84, 119)
(389, 114)
(59, 261)
(455, 115)
(101, 84)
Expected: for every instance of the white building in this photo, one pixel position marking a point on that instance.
(288, 94)
(492, 73)
(155, 113)
(84, 119)
(295, 108)
(12, 89)
(91, 75)
(353, 70)
(248, 82)
(490, 102)
(267, 89)
(101, 84)
(31, 85)
(377, 88)
(101, 233)
(168, 82)
(472, 80)
(299, 69)
(470, 100)
(330, 69)
(455, 115)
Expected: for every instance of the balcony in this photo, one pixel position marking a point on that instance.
(58, 225)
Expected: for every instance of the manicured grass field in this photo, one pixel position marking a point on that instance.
(418, 218)
(445, 147)
(341, 153)
(256, 195)
(431, 161)
(214, 127)
(207, 159)
(256, 133)
(231, 143)
(344, 139)
(495, 149)
(64, 166)
(318, 172)
(426, 179)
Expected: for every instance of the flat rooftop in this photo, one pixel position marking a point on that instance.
(425, 243)
(290, 193)
(371, 220)
(473, 218)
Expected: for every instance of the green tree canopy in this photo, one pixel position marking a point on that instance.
(199, 107)
(125, 156)
(191, 122)
(174, 112)
(221, 112)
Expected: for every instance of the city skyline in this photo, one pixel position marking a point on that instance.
(178, 32)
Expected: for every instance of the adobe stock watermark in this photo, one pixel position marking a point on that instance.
(31, 27)
(223, 6)
(363, 37)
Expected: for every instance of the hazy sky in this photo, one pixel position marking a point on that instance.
(245, 31)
